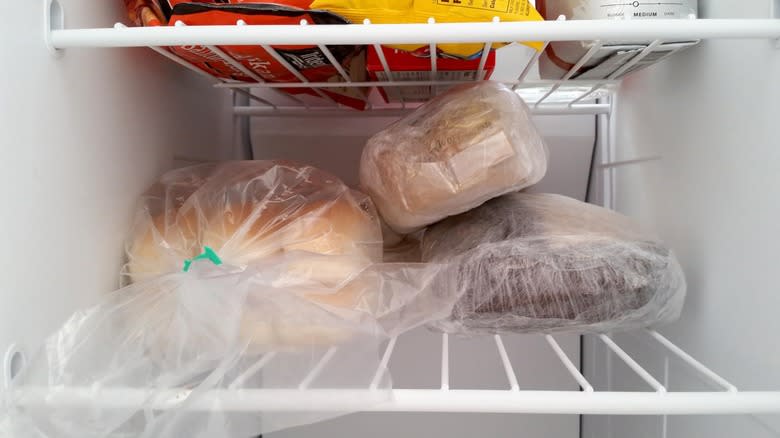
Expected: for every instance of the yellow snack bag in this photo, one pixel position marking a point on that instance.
(443, 11)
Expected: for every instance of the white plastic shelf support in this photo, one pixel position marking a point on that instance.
(382, 369)
(572, 71)
(253, 370)
(485, 53)
(535, 58)
(445, 362)
(634, 365)
(695, 364)
(581, 380)
(315, 372)
(510, 372)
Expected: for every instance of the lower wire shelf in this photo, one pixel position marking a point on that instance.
(429, 400)
(656, 401)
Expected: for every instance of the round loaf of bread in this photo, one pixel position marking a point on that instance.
(301, 235)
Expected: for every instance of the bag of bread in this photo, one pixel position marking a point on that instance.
(242, 276)
(471, 144)
(548, 263)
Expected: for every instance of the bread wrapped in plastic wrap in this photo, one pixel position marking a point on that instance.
(242, 276)
(548, 263)
(468, 145)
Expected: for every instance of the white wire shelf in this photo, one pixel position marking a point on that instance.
(614, 30)
(565, 96)
(657, 400)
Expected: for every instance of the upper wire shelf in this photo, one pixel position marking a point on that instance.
(567, 95)
(561, 30)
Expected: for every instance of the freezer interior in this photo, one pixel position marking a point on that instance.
(686, 147)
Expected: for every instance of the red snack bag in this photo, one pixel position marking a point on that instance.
(408, 66)
(309, 61)
(145, 13)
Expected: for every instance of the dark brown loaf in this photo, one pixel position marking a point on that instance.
(526, 263)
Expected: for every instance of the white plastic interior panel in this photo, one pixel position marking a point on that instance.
(711, 118)
(335, 144)
(82, 135)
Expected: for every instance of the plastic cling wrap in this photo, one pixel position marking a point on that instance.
(473, 143)
(547, 263)
(168, 357)
(243, 276)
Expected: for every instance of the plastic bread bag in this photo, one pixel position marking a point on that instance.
(470, 144)
(548, 263)
(419, 11)
(178, 356)
(283, 303)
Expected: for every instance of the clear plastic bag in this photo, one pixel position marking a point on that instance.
(249, 210)
(548, 263)
(169, 357)
(287, 296)
(473, 143)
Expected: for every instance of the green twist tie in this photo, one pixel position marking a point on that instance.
(207, 253)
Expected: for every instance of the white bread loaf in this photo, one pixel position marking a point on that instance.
(303, 231)
(469, 145)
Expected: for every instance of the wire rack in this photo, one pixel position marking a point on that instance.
(656, 400)
(573, 96)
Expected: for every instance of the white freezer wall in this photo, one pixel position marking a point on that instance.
(713, 115)
(81, 136)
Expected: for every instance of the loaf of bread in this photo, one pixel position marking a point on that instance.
(473, 143)
(546, 263)
(299, 233)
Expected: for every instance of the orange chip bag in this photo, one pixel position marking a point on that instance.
(145, 13)
(305, 61)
